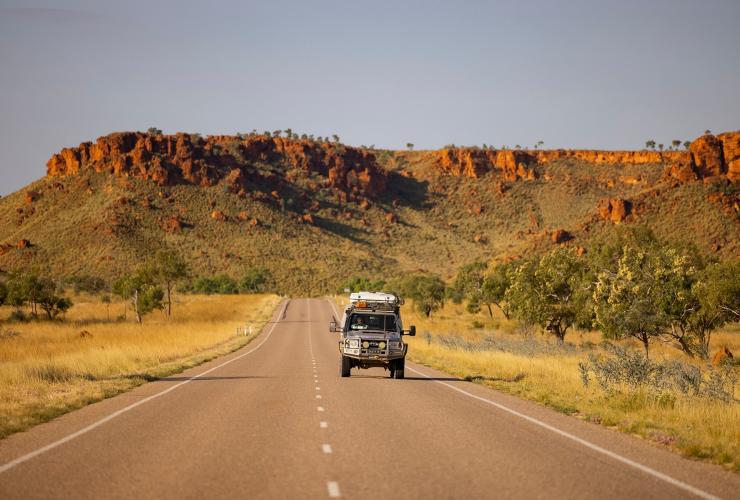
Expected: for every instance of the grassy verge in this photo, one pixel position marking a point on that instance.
(50, 368)
(494, 352)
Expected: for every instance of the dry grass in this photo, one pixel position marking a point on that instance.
(695, 427)
(50, 368)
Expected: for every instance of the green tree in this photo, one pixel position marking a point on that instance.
(154, 131)
(676, 143)
(3, 293)
(686, 144)
(495, 284)
(254, 280)
(427, 291)
(650, 144)
(168, 268)
(551, 292)
(336, 138)
(409, 146)
(469, 286)
(629, 302)
(717, 293)
(37, 292)
(141, 289)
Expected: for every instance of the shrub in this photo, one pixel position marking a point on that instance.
(254, 280)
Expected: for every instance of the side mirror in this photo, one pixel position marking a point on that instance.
(411, 331)
(333, 326)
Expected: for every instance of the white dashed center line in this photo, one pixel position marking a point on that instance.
(326, 448)
(323, 424)
(333, 488)
(318, 396)
(320, 408)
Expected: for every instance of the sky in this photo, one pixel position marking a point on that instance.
(576, 74)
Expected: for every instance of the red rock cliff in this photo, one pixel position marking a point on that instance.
(190, 159)
(707, 156)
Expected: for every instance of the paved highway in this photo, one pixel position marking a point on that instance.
(275, 420)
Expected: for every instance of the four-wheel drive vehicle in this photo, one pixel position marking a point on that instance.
(372, 333)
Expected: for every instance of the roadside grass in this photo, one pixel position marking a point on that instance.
(50, 368)
(500, 354)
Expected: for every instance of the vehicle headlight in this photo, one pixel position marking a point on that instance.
(366, 344)
(382, 345)
(353, 343)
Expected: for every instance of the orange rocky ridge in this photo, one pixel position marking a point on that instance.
(707, 156)
(189, 159)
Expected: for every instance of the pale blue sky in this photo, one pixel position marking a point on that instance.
(585, 74)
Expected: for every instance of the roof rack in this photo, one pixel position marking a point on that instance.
(375, 300)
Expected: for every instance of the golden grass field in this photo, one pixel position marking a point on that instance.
(50, 368)
(695, 427)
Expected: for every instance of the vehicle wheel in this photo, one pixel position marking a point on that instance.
(346, 365)
(400, 365)
(392, 368)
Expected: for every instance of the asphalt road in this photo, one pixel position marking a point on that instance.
(275, 420)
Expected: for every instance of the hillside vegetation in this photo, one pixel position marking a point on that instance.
(314, 212)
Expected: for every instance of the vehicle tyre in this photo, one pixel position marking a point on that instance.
(400, 365)
(392, 368)
(346, 365)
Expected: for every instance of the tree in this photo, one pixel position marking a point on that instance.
(495, 284)
(676, 143)
(154, 131)
(717, 292)
(141, 290)
(650, 144)
(336, 138)
(254, 280)
(551, 292)
(660, 146)
(427, 292)
(3, 293)
(168, 268)
(409, 146)
(289, 133)
(686, 144)
(38, 292)
(707, 132)
(219, 284)
(628, 302)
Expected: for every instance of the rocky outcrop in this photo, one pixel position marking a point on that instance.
(473, 162)
(191, 159)
(615, 210)
(731, 153)
(707, 156)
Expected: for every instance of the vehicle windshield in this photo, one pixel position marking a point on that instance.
(379, 322)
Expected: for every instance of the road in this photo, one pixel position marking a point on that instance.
(275, 420)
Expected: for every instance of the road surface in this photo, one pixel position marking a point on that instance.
(275, 420)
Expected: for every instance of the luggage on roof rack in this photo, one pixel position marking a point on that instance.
(374, 300)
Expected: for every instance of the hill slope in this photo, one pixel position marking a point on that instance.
(315, 213)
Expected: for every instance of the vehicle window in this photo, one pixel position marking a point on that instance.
(382, 322)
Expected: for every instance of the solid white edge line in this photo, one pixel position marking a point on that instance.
(28, 456)
(333, 489)
(644, 468)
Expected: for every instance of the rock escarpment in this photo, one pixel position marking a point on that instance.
(190, 159)
(707, 156)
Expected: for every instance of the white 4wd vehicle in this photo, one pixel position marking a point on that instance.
(372, 333)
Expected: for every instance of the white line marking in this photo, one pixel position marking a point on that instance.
(326, 448)
(318, 388)
(320, 408)
(644, 468)
(587, 444)
(318, 396)
(323, 424)
(333, 488)
(85, 430)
